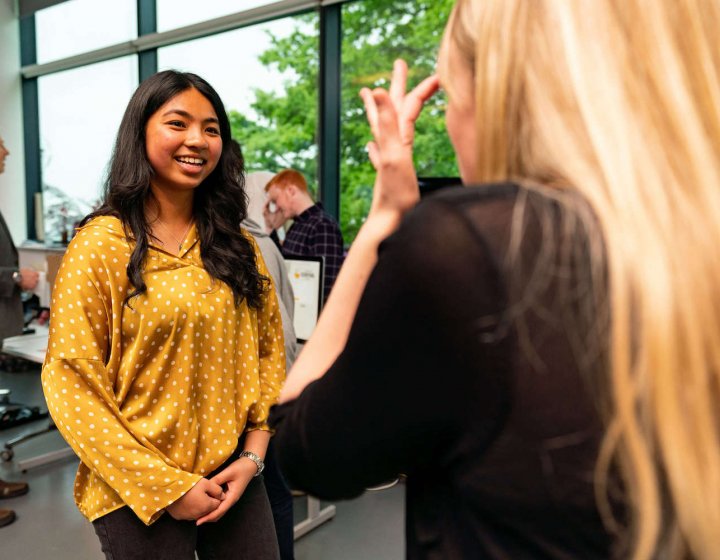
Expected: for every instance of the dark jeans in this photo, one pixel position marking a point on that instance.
(246, 531)
(281, 502)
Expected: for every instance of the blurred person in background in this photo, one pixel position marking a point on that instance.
(281, 500)
(314, 233)
(13, 281)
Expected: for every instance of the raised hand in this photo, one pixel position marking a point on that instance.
(200, 500)
(273, 219)
(392, 115)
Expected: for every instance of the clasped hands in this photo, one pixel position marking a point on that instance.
(210, 499)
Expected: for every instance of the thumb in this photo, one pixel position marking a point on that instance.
(214, 490)
(221, 478)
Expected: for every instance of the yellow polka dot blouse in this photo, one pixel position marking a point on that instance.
(155, 396)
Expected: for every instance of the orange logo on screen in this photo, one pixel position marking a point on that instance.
(297, 275)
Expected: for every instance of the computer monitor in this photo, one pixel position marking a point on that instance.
(429, 185)
(306, 277)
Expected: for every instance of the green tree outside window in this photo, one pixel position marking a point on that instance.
(375, 33)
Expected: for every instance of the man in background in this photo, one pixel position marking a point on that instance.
(314, 232)
(13, 281)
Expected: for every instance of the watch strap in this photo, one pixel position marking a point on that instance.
(255, 459)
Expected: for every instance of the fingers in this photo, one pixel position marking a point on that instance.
(370, 110)
(194, 510)
(216, 513)
(425, 89)
(213, 504)
(398, 83)
(232, 496)
(223, 477)
(386, 119)
(416, 99)
(392, 114)
(30, 278)
(213, 489)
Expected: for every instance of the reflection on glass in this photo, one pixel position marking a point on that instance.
(77, 26)
(269, 88)
(80, 112)
(179, 13)
(375, 33)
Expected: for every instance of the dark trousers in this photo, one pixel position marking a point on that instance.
(245, 532)
(281, 502)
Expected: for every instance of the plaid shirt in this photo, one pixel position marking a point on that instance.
(315, 233)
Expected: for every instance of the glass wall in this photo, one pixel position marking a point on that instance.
(375, 33)
(80, 111)
(270, 96)
(78, 26)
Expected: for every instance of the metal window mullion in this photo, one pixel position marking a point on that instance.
(31, 123)
(147, 24)
(329, 108)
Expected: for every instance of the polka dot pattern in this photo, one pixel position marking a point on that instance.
(154, 396)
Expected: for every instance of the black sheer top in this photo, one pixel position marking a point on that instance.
(471, 368)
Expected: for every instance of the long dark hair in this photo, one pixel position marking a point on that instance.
(219, 205)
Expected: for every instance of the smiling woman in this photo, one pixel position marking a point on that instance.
(183, 142)
(178, 352)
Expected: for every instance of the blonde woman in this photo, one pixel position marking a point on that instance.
(539, 353)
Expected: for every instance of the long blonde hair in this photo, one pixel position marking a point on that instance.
(620, 100)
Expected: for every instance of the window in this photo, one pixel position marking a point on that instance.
(375, 33)
(179, 13)
(80, 112)
(78, 26)
(266, 76)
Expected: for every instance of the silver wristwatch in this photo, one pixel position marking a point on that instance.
(17, 277)
(255, 459)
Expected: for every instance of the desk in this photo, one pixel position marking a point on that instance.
(31, 347)
(28, 346)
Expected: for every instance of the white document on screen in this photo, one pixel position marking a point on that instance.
(306, 279)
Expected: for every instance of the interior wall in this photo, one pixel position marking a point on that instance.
(12, 182)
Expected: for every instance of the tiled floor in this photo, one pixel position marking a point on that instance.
(49, 525)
